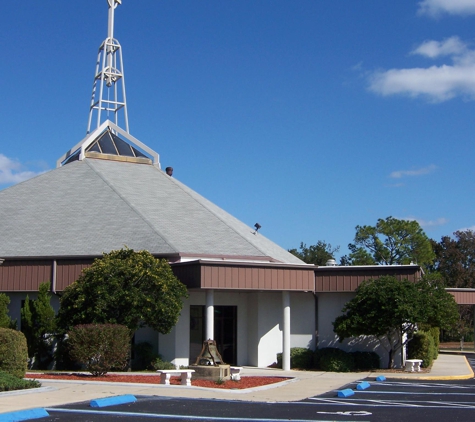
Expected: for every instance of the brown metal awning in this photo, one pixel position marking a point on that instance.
(202, 274)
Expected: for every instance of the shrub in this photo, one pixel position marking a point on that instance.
(334, 360)
(435, 333)
(100, 347)
(13, 352)
(366, 360)
(300, 357)
(160, 364)
(8, 382)
(144, 356)
(5, 320)
(421, 347)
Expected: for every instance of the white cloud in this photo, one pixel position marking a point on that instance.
(467, 228)
(12, 171)
(435, 8)
(414, 172)
(429, 223)
(436, 83)
(450, 47)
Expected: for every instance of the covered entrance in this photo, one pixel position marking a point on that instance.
(225, 331)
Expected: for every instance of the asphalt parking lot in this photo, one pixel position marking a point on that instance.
(388, 400)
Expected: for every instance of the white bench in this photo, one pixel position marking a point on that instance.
(413, 365)
(235, 372)
(185, 374)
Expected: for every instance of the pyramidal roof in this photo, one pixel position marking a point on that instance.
(92, 206)
(108, 192)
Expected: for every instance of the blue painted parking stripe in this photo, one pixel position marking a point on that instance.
(112, 401)
(23, 415)
(188, 417)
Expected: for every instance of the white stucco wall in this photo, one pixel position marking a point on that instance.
(329, 307)
(269, 330)
(302, 320)
(266, 324)
(259, 326)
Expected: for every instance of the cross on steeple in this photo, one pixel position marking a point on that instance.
(108, 90)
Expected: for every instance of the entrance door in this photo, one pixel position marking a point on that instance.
(225, 332)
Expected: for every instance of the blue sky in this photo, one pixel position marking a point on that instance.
(309, 117)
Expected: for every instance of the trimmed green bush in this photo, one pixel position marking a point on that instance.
(300, 358)
(13, 352)
(365, 360)
(160, 364)
(100, 347)
(331, 359)
(435, 333)
(8, 382)
(421, 347)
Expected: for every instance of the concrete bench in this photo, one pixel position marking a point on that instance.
(235, 372)
(185, 374)
(413, 365)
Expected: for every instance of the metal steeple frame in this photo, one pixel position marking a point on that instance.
(108, 90)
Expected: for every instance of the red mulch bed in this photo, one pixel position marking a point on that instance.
(245, 382)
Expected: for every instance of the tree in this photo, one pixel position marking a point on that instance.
(390, 242)
(5, 320)
(38, 323)
(26, 318)
(127, 288)
(438, 308)
(455, 262)
(317, 254)
(455, 259)
(390, 310)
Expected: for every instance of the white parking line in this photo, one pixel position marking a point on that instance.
(392, 403)
(427, 385)
(414, 393)
(163, 416)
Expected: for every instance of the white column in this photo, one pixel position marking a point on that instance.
(286, 331)
(210, 314)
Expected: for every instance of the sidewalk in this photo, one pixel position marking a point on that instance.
(304, 384)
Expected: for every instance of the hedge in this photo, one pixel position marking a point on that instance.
(13, 352)
(100, 347)
(422, 347)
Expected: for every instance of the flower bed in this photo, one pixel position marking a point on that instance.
(245, 382)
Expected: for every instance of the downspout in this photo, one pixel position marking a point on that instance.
(53, 277)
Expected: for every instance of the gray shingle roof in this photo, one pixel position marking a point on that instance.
(93, 206)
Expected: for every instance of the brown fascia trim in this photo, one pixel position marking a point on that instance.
(366, 268)
(460, 289)
(307, 267)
